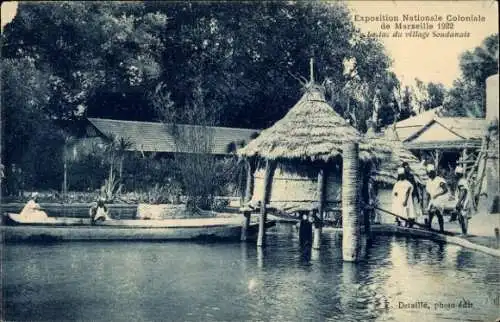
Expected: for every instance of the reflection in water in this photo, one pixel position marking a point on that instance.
(463, 259)
(260, 257)
(315, 254)
(305, 252)
(240, 282)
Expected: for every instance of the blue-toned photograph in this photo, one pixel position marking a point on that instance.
(249, 161)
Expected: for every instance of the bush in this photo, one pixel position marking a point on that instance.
(220, 204)
(164, 194)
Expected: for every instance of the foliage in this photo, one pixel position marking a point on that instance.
(111, 187)
(467, 96)
(436, 93)
(87, 173)
(158, 195)
(368, 87)
(107, 59)
(119, 60)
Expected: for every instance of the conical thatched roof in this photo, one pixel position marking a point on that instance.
(311, 130)
(386, 171)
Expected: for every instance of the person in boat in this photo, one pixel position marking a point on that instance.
(402, 201)
(438, 197)
(32, 209)
(98, 211)
(464, 200)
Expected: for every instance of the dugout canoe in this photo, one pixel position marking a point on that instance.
(16, 228)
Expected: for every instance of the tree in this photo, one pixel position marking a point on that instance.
(106, 59)
(90, 51)
(436, 93)
(243, 60)
(115, 150)
(467, 96)
(405, 110)
(69, 154)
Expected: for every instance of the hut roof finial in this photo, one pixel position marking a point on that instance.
(311, 70)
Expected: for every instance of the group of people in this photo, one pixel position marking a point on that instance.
(97, 212)
(408, 203)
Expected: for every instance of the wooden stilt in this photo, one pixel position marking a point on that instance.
(261, 240)
(246, 224)
(247, 199)
(318, 223)
(351, 240)
(260, 257)
(464, 161)
(305, 229)
(368, 212)
(436, 159)
(65, 179)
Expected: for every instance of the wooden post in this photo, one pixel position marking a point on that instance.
(247, 199)
(65, 179)
(246, 224)
(350, 203)
(305, 228)
(260, 257)
(367, 213)
(261, 240)
(318, 223)
(464, 161)
(436, 160)
(311, 69)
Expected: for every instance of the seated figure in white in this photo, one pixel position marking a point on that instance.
(32, 209)
(99, 211)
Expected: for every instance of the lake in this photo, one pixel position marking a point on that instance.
(399, 279)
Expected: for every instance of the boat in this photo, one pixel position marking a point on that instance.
(21, 228)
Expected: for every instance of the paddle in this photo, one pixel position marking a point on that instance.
(415, 223)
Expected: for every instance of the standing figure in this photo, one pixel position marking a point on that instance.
(438, 196)
(402, 201)
(463, 206)
(410, 177)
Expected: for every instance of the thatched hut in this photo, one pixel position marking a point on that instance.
(305, 147)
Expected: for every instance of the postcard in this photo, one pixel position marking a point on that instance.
(249, 161)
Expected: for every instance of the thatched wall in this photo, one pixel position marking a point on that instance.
(385, 171)
(295, 186)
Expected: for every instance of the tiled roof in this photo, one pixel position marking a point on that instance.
(466, 127)
(157, 137)
(420, 119)
(410, 126)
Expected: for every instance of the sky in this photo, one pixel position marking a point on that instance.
(8, 10)
(432, 59)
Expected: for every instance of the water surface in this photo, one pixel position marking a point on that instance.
(182, 281)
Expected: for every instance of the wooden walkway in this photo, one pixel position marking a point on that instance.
(394, 229)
